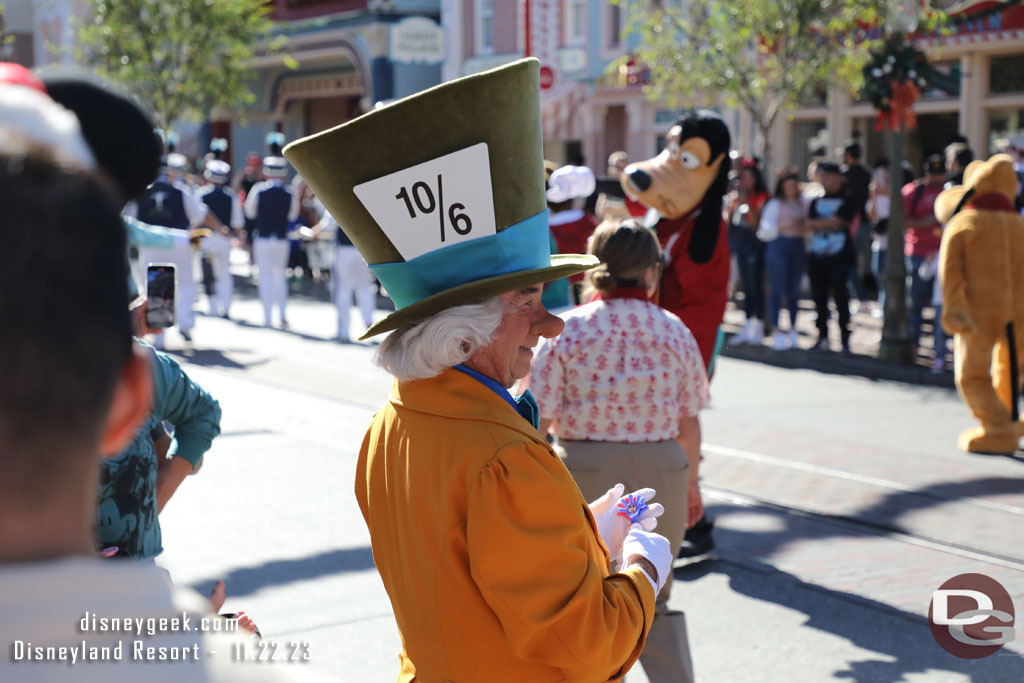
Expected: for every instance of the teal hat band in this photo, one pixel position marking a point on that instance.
(520, 247)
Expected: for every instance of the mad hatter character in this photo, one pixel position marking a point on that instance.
(496, 567)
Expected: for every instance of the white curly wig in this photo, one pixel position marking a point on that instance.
(441, 341)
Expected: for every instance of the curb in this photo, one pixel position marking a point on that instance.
(832, 363)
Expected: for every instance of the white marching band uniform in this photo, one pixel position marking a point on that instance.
(350, 273)
(272, 206)
(226, 205)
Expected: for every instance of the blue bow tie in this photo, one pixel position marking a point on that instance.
(526, 406)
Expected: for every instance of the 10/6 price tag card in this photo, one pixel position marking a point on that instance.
(435, 204)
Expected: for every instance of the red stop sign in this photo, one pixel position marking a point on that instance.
(547, 77)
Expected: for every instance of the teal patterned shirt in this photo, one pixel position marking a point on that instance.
(126, 514)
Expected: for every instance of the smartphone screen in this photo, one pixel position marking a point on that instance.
(160, 295)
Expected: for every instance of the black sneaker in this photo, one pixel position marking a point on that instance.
(821, 345)
(698, 540)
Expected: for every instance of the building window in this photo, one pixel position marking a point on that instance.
(614, 25)
(1006, 74)
(947, 68)
(1004, 124)
(575, 21)
(805, 140)
(484, 27)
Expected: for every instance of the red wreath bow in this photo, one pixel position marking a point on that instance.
(901, 110)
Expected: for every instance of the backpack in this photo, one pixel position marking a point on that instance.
(918, 193)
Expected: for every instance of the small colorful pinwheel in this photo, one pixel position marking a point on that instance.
(632, 506)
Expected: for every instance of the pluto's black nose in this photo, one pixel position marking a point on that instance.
(639, 178)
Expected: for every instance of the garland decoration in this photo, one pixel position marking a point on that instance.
(894, 76)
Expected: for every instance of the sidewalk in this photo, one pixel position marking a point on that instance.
(864, 340)
(866, 333)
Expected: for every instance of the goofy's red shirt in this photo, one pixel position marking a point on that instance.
(696, 292)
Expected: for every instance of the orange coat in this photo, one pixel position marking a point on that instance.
(486, 547)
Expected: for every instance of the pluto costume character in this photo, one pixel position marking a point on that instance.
(685, 184)
(496, 567)
(981, 266)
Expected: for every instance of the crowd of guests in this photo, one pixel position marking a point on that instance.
(825, 234)
(832, 230)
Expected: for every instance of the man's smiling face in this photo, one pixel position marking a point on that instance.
(509, 354)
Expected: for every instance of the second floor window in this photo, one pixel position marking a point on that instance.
(614, 25)
(575, 21)
(485, 26)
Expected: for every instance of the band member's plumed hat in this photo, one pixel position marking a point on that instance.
(443, 192)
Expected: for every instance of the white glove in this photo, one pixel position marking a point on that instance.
(655, 548)
(612, 527)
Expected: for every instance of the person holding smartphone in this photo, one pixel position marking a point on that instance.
(170, 203)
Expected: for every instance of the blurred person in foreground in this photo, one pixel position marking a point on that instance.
(75, 387)
(137, 482)
(112, 121)
(497, 568)
(623, 386)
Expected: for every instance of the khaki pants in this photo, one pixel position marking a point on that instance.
(597, 466)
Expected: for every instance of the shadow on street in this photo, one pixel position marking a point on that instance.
(903, 646)
(248, 580)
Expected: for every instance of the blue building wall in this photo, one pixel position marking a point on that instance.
(387, 79)
(411, 78)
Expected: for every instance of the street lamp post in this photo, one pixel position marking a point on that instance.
(896, 344)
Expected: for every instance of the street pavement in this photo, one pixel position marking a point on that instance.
(840, 504)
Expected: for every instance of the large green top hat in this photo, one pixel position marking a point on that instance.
(443, 192)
